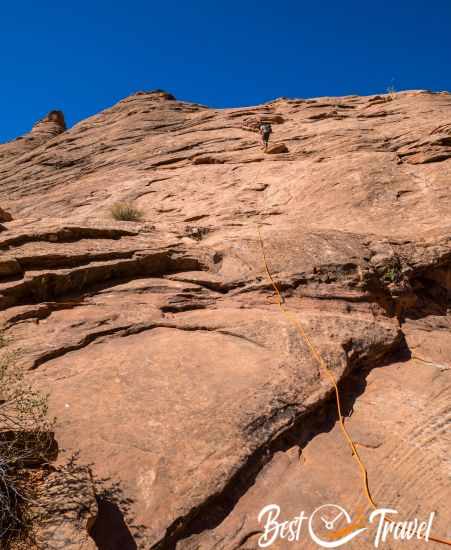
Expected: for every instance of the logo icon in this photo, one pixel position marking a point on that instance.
(330, 526)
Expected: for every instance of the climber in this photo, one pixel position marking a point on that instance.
(265, 131)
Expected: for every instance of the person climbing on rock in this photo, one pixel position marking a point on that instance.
(265, 131)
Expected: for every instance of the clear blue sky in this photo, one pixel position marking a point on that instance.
(82, 56)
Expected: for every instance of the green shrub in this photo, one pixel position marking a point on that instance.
(393, 270)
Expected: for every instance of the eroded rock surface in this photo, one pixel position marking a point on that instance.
(170, 369)
(5, 216)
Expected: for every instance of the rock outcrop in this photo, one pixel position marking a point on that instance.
(5, 216)
(45, 129)
(49, 127)
(171, 371)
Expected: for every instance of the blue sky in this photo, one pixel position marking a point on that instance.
(83, 56)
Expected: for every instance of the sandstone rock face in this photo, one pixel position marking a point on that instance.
(171, 371)
(50, 126)
(44, 130)
(67, 507)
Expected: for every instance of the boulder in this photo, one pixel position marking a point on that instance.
(276, 149)
(5, 216)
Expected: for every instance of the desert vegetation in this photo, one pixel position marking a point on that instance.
(126, 211)
(26, 443)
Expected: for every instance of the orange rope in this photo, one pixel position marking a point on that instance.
(315, 353)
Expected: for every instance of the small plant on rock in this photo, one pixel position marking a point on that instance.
(126, 211)
(391, 92)
(393, 270)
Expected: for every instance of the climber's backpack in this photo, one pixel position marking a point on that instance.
(265, 128)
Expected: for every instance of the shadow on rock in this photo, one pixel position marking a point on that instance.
(77, 510)
(110, 532)
(113, 528)
(321, 419)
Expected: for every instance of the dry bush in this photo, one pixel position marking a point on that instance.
(391, 93)
(125, 211)
(26, 439)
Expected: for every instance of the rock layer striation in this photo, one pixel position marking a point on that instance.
(175, 379)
